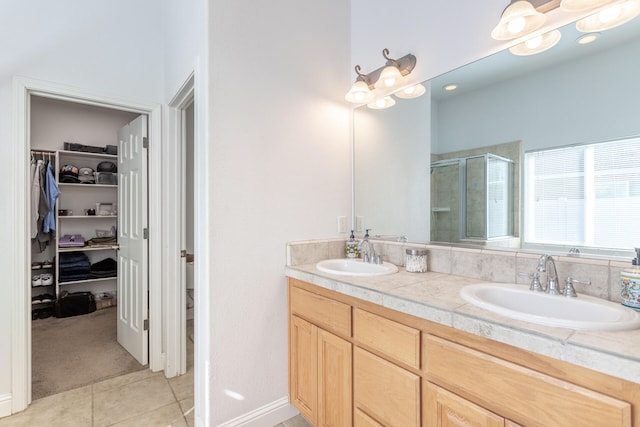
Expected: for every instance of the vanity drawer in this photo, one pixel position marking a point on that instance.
(326, 313)
(391, 338)
(525, 396)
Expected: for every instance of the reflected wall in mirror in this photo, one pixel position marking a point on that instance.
(571, 95)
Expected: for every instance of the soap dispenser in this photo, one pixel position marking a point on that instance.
(630, 281)
(351, 248)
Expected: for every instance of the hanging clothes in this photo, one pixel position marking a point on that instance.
(42, 239)
(35, 195)
(52, 193)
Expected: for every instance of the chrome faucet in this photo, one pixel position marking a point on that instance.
(367, 250)
(548, 265)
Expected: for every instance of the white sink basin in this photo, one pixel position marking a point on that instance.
(355, 267)
(582, 313)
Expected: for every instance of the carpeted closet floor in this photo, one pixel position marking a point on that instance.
(76, 351)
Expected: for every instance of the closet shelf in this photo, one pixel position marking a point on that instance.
(71, 184)
(89, 217)
(88, 248)
(86, 154)
(75, 282)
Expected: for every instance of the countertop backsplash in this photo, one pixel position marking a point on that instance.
(501, 266)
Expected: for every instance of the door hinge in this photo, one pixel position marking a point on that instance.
(145, 142)
(145, 324)
(145, 233)
(183, 253)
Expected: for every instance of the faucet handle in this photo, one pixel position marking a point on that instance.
(569, 290)
(535, 286)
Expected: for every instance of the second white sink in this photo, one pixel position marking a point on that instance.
(581, 313)
(355, 267)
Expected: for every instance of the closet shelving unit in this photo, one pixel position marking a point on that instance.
(78, 198)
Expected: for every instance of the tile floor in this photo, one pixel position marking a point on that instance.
(297, 421)
(143, 398)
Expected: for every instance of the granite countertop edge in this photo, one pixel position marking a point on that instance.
(611, 353)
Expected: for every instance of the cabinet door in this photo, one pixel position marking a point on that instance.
(334, 381)
(303, 367)
(384, 391)
(445, 409)
(360, 419)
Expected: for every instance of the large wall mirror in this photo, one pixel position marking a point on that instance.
(460, 166)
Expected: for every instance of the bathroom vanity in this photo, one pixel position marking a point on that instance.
(405, 350)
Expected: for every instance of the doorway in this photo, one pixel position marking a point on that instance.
(24, 89)
(77, 253)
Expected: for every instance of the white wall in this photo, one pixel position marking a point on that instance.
(279, 170)
(111, 48)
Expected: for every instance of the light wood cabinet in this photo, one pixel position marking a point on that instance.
(390, 369)
(385, 392)
(445, 409)
(320, 361)
(320, 375)
(518, 393)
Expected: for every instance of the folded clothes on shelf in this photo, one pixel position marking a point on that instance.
(71, 241)
(102, 241)
(108, 267)
(74, 266)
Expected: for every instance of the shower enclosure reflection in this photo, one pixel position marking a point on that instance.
(472, 200)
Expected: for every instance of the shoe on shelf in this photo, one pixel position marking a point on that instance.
(47, 264)
(47, 279)
(36, 265)
(36, 281)
(47, 298)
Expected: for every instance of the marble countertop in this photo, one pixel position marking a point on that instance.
(435, 297)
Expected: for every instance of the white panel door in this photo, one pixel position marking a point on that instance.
(133, 281)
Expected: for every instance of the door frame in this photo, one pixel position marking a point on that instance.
(21, 296)
(175, 311)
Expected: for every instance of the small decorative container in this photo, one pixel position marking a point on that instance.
(416, 260)
(630, 281)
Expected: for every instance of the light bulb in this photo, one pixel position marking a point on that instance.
(516, 25)
(609, 14)
(359, 93)
(411, 92)
(534, 42)
(389, 77)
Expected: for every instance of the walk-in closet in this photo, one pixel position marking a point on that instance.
(74, 247)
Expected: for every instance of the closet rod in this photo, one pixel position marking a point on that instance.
(43, 152)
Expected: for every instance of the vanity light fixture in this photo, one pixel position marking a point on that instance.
(613, 15)
(518, 19)
(382, 103)
(411, 92)
(588, 38)
(383, 79)
(537, 44)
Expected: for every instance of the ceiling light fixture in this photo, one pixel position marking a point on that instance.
(411, 92)
(613, 15)
(518, 19)
(588, 38)
(450, 87)
(537, 44)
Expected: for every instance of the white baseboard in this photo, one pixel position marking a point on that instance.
(5, 405)
(266, 416)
